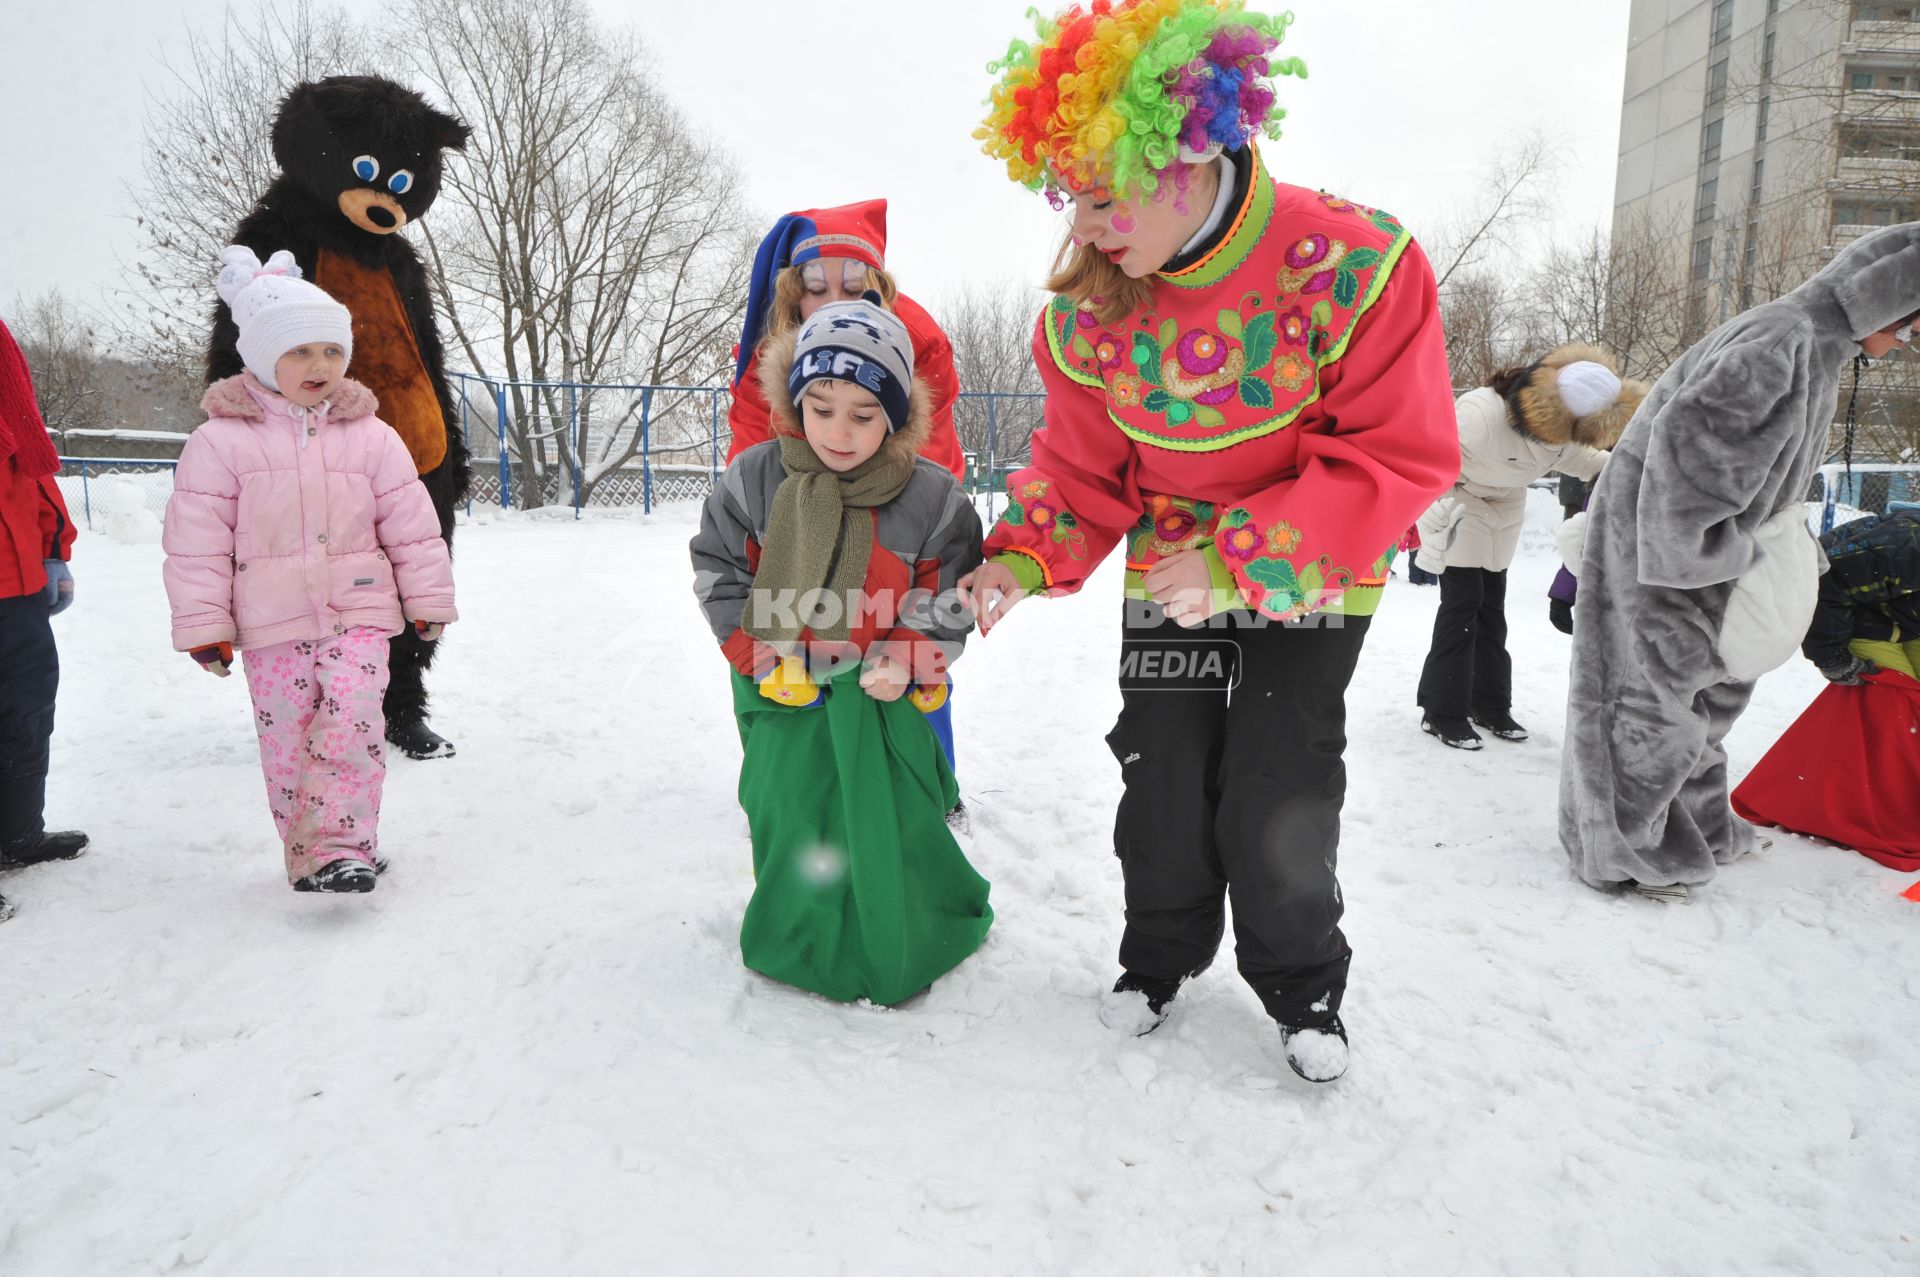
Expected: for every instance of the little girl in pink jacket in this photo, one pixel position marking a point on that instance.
(300, 534)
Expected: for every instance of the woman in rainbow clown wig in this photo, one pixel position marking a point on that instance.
(1246, 383)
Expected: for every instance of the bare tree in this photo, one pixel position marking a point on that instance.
(1625, 292)
(208, 156)
(990, 324)
(1481, 315)
(1478, 302)
(59, 344)
(593, 235)
(1512, 197)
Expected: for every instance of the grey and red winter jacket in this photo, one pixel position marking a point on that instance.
(924, 541)
(1871, 589)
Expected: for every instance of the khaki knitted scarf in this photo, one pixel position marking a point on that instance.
(820, 535)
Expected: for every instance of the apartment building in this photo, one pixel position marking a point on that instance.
(1758, 136)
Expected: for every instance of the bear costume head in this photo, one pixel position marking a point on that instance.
(365, 146)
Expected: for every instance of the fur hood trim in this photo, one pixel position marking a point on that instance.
(1536, 409)
(231, 397)
(776, 360)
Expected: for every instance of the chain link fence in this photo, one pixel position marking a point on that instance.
(124, 496)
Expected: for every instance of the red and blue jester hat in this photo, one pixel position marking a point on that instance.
(856, 231)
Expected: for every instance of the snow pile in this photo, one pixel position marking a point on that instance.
(534, 1049)
(122, 507)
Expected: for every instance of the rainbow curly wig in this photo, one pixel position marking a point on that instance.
(1116, 91)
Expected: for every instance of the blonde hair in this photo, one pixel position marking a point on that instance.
(783, 316)
(1091, 279)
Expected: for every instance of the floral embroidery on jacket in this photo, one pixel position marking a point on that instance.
(1197, 376)
(1028, 506)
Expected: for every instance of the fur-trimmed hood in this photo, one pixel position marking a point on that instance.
(244, 398)
(776, 361)
(1536, 409)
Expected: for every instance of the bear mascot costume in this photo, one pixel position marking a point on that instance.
(360, 158)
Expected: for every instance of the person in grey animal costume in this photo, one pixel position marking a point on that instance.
(1699, 573)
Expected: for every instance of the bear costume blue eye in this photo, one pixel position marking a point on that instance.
(401, 182)
(366, 168)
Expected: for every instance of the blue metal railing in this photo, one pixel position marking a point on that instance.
(558, 409)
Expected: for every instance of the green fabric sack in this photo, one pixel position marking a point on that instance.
(860, 890)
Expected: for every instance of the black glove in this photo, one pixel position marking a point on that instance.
(1849, 674)
(1560, 612)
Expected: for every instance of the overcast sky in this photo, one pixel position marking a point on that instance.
(826, 101)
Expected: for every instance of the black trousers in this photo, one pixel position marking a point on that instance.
(1230, 744)
(1468, 670)
(29, 679)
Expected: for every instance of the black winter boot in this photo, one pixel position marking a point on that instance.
(339, 876)
(1138, 1004)
(1456, 732)
(1501, 724)
(1319, 1053)
(416, 740)
(64, 845)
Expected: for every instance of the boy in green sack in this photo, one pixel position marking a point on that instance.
(825, 563)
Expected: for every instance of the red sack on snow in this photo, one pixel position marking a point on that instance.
(1848, 771)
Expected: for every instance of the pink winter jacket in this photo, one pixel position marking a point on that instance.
(289, 523)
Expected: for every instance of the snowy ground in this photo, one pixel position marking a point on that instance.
(534, 1050)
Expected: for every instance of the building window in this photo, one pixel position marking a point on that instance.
(1710, 143)
(1760, 125)
(1717, 83)
(1753, 195)
(1766, 57)
(1860, 80)
(1702, 256)
(1855, 145)
(1704, 202)
(1722, 21)
(1896, 83)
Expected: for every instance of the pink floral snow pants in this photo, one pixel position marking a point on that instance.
(316, 705)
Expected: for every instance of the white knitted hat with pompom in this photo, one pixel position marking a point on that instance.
(277, 310)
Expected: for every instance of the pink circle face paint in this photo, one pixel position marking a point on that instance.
(1123, 224)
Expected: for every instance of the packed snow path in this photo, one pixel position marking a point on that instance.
(534, 1050)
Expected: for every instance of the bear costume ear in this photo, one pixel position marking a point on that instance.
(300, 108)
(447, 132)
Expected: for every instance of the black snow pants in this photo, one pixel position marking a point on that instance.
(1468, 670)
(1230, 743)
(29, 678)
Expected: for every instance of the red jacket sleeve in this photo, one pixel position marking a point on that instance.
(1384, 447)
(56, 525)
(933, 364)
(1067, 510)
(748, 416)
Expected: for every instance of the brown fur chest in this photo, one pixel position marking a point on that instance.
(386, 358)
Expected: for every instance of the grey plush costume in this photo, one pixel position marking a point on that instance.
(1729, 438)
